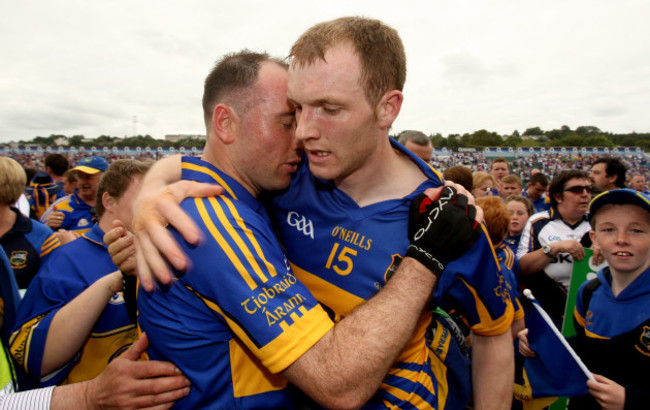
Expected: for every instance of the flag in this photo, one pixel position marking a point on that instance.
(556, 370)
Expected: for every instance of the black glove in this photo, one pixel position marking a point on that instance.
(441, 230)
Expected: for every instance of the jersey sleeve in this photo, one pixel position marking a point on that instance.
(244, 278)
(474, 286)
(48, 292)
(45, 239)
(528, 242)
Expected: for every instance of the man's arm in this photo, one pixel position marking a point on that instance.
(348, 364)
(493, 370)
(151, 231)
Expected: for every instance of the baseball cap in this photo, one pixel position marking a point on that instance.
(92, 165)
(621, 196)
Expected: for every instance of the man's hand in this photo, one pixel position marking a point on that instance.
(441, 229)
(153, 211)
(609, 394)
(66, 236)
(121, 247)
(55, 219)
(127, 383)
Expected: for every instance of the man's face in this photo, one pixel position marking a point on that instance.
(268, 154)
(509, 188)
(598, 175)
(622, 233)
(499, 170)
(336, 125)
(638, 183)
(422, 151)
(535, 191)
(124, 208)
(87, 185)
(574, 203)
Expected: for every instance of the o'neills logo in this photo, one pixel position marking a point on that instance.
(349, 236)
(301, 223)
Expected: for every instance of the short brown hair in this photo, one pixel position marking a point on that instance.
(496, 216)
(117, 178)
(511, 179)
(12, 180)
(379, 47)
(459, 174)
(231, 77)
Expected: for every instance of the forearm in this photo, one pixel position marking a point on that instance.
(70, 396)
(163, 172)
(492, 371)
(533, 262)
(348, 365)
(72, 324)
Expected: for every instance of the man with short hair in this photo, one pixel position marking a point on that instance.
(510, 185)
(418, 143)
(499, 168)
(608, 173)
(638, 183)
(536, 192)
(46, 187)
(75, 212)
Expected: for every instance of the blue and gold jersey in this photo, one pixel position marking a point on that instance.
(238, 317)
(510, 269)
(78, 215)
(64, 275)
(345, 253)
(26, 245)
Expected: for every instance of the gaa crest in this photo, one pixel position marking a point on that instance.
(396, 259)
(18, 259)
(645, 338)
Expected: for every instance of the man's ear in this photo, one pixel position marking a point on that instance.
(108, 202)
(225, 123)
(389, 107)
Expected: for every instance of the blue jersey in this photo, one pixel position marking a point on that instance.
(42, 192)
(26, 245)
(543, 203)
(345, 253)
(513, 242)
(77, 214)
(239, 316)
(66, 273)
(510, 268)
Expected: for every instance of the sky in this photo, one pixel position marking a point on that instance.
(125, 68)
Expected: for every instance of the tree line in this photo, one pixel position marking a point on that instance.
(583, 136)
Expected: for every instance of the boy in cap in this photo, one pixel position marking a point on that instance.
(612, 313)
(75, 212)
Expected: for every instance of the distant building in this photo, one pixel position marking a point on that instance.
(62, 141)
(178, 137)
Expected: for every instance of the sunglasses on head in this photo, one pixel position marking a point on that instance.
(578, 189)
